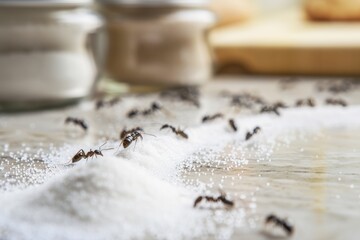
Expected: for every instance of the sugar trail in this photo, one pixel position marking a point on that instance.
(137, 193)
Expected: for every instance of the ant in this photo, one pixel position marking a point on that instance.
(222, 198)
(289, 229)
(233, 124)
(82, 155)
(273, 109)
(245, 100)
(124, 132)
(176, 131)
(305, 102)
(77, 121)
(241, 101)
(185, 94)
(153, 108)
(102, 103)
(208, 118)
(337, 87)
(280, 105)
(333, 101)
(249, 134)
(130, 136)
(133, 113)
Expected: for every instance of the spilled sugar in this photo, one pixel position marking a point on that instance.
(114, 197)
(136, 193)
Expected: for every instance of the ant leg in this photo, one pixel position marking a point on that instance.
(135, 144)
(121, 143)
(68, 163)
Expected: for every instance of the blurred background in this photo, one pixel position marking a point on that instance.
(56, 52)
(314, 37)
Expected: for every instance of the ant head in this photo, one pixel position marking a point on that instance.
(205, 118)
(270, 218)
(98, 152)
(183, 134)
(164, 126)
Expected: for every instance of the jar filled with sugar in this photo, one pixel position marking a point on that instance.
(158, 42)
(48, 52)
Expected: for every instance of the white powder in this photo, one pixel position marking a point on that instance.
(136, 193)
(116, 197)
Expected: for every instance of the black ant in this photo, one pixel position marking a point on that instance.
(153, 108)
(289, 229)
(305, 102)
(82, 155)
(222, 198)
(233, 124)
(333, 101)
(130, 136)
(124, 132)
(240, 101)
(133, 113)
(208, 118)
(245, 100)
(249, 134)
(336, 87)
(273, 109)
(77, 121)
(280, 105)
(186, 94)
(102, 103)
(176, 131)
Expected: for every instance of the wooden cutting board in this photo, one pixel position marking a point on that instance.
(287, 43)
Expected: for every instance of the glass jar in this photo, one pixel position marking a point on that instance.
(158, 42)
(47, 55)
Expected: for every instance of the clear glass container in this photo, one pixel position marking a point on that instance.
(47, 52)
(158, 42)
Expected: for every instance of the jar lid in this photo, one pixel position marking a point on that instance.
(157, 3)
(43, 3)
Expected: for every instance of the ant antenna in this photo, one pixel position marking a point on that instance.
(107, 149)
(222, 193)
(119, 147)
(102, 145)
(149, 134)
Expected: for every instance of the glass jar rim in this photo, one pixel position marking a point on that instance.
(44, 3)
(204, 16)
(157, 3)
